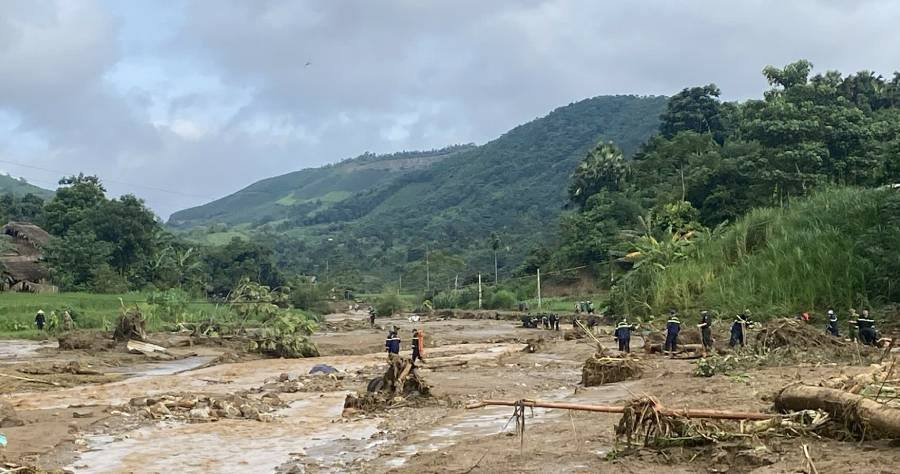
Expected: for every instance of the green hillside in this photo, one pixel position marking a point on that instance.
(838, 248)
(19, 187)
(381, 220)
(303, 194)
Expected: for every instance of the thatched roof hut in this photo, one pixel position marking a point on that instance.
(20, 267)
(27, 233)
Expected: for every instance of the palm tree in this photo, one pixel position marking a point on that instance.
(604, 167)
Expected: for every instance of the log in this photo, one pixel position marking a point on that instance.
(684, 412)
(28, 379)
(145, 348)
(877, 419)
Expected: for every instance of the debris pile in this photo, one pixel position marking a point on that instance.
(400, 383)
(599, 370)
(881, 383)
(85, 340)
(130, 326)
(207, 408)
(72, 367)
(859, 416)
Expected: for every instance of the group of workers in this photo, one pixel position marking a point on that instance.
(392, 344)
(546, 321)
(862, 327)
(584, 307)
(40, 320)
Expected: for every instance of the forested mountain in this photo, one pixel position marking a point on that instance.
(302, 195)
(19, 187)
(356, 215)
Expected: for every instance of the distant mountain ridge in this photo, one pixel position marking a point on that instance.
(356, 212)
(19, 187)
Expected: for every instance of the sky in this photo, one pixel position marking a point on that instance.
(181, 102)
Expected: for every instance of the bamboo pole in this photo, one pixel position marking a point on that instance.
(29, 379)
(684, 412)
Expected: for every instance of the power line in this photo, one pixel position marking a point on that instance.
(152, 188)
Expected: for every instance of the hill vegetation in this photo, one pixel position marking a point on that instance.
(714, 209)
(18, 187)
(513, 187)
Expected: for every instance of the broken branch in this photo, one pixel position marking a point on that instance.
(684, 412)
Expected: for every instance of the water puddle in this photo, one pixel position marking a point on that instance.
(311, 426)
(163, 368)
(17, 349)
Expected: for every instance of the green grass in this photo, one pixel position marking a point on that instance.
(830, 250)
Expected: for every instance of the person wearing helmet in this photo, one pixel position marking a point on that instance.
(623, 335)
(832, 327)
(392, 342)
(39, 320)
(705, 330)
(673, 327)
(867, 333)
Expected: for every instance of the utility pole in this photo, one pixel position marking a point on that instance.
(427, 271)
(400, 288)
(479, 291)
(456, 282)
(496, 277)
(539, 287)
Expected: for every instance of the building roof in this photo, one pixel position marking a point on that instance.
(29, 232)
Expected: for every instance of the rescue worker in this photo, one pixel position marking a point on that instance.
(371, 316)
(623, 335)
(577, 308)
(418, 346)
(592, 324)
(556, 319)
(544, 321)
(673, 327)
(705, 330)
(738, 328)
(867, 333)
(832, 327)
(853, 326)
(392, 343)
(39, 320)
(590, 307)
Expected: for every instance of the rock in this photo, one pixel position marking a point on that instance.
(188, 403)
(158, 410)
(231, 411)
(323, 369)
(265, 417)
(199, 413)
(249, 411)
(141, 402)
(271, 399)
(284, 377)
(8, 416)
(82, 414)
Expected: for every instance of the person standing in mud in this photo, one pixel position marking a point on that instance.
(39, 320)
(418, 349)
(705, 331)
(832, 327)
(590, 307)
(556, 319)
(673, 327)
(68, 323)
(623, 335)
(853, 325)
(392, 343)
(371, 316)
(867, 332)
(739, 327)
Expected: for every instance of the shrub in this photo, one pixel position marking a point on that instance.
(388, 304)
(502, 299)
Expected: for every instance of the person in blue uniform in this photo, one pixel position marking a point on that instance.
(739, 328)
(392, 342)
(867, 333)
(832, 327)
(623, 335)
(673, 327)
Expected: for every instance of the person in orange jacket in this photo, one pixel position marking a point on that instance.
(418, 346)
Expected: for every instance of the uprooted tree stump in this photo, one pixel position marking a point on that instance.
(599, 370)
(130, 326)
(399, 382)
(863, 416)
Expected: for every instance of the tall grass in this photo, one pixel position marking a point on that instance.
(814, 253)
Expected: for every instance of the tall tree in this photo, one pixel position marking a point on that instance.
(75, 199)
(695, 109)
(604, 168)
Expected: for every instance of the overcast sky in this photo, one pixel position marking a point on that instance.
(180, 102)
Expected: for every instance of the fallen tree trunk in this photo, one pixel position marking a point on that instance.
(875, 419)
(685, 412)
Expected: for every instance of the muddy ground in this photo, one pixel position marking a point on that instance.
(104, 423)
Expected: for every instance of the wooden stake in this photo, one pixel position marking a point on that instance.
(684, 412)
